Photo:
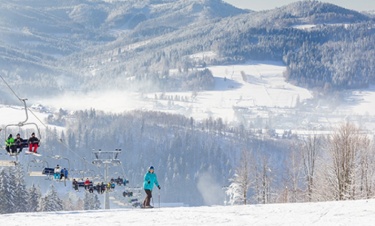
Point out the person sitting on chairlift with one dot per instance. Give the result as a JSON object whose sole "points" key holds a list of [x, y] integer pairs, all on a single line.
{"points": [[57, 173], [75, 184], [64, 174], [104, 187], [33, 143], [19, 143], [99, 188], [87, 184], [10, 144]]}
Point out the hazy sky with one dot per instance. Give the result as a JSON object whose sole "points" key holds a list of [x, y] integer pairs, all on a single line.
{"points": [[359, 5]]}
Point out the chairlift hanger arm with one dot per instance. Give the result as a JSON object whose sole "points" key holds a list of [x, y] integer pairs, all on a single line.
{"points": [[27, 115], [24, 123]]}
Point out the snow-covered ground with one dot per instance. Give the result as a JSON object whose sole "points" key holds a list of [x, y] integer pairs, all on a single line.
{"points": [[257, 86], [360, 101], [248, 85], [17, 114], [361, 212]]}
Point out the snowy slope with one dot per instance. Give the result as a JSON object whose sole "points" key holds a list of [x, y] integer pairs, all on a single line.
{"points": [[256, 86], [361, 212], [253, 84]]}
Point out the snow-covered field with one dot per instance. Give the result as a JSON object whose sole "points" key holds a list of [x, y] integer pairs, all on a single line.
{"points": [[248, 85], [16, 114], [255, 85], [361, 212]]}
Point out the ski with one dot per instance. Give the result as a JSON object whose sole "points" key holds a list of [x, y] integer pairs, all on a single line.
{"points": [[32, 153]]}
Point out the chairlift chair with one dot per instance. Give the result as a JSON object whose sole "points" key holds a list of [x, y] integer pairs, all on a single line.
{"points": [[59, 158], [36, 166], [21, 124]]}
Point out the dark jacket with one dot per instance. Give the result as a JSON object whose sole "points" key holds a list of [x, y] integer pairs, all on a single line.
{"points": [[19, 141], [33, 140]]}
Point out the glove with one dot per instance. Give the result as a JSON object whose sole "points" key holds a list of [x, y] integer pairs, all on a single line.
{"points": [[148, 182], [159, 187]]}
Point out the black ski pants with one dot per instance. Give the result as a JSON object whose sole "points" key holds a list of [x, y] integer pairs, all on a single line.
{"points": [[12, 148], [147, 200]]}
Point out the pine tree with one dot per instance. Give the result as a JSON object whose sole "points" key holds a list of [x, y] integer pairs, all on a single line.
{"points": [[51, 201], [91, 201], [80, 204], [4, 193], [11, 187], [20, 192], [71, 202], [34, 198]]}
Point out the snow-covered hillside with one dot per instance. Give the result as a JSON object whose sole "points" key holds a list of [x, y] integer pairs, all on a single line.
{"points": [[360, 212], [255, 84], [255, 89]]}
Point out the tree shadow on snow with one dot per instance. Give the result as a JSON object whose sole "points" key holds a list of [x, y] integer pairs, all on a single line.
{"points": [[222, 84]]}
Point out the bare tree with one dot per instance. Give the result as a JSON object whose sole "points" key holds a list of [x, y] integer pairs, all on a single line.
{"points": [[310, 151], [263, 179], [348, 148], [366, 173], [240, 183], [291, 191]]}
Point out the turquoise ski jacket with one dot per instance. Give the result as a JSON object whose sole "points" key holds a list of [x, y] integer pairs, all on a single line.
{"points": [[149, 180]]}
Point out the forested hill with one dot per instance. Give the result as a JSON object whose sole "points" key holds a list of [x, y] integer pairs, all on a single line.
{"points": [[195, 157], [323, 45], [87, 45], [315, 12]]}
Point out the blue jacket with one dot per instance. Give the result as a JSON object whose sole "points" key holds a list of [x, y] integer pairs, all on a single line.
{"points": [[149, 180]]}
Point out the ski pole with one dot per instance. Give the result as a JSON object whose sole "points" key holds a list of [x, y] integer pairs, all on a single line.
{"points": [[159, 197]]}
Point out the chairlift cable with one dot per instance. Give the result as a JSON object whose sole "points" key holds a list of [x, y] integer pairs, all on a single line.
{"points": [[60, 140], [41, 122], [20, 99], [15, 94], [71, 151]]}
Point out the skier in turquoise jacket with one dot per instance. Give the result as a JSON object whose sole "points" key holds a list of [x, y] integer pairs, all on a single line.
{"points": [[150, 179]]}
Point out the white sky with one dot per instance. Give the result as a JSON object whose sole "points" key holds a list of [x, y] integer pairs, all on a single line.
{"points": [[361, 212], [359, 5]]}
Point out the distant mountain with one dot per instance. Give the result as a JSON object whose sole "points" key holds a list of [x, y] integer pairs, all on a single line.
{"points": [[135, 44], [261, 36], [35, 37], [312, 12], [317, 10]]}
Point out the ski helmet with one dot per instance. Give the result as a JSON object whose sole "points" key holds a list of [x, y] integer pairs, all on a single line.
{"points": [[151, 168]]}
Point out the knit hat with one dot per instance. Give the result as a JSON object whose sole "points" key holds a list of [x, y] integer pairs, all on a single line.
{"points": [[151, 168]]}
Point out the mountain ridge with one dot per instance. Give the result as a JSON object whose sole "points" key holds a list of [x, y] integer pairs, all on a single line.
{"points": [[97, 38]]}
